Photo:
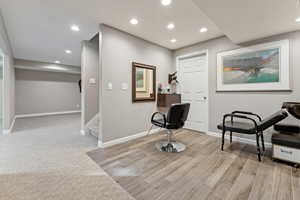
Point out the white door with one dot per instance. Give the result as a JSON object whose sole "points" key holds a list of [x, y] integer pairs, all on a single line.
{"points": [[193, 81]]}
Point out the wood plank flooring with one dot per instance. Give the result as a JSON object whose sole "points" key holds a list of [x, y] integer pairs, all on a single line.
{"points": [[201, 172]]}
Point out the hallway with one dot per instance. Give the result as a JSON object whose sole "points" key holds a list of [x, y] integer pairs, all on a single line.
{"points": [[46, 157]]}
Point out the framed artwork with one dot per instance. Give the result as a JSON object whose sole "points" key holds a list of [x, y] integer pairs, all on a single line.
{"points": [[263, 67], [141, 79]]}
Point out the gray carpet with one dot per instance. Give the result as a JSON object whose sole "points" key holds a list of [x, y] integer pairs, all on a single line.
{"points": [[45, 158], [59, 187]]}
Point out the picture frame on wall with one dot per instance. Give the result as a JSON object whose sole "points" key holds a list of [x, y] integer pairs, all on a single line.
{"points": [[141, 80], [263, 67]]}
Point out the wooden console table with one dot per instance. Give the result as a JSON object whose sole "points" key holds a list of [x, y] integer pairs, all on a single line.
{"points": [[166, 100]]}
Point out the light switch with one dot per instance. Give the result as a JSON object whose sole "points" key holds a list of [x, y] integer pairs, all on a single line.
{"points": [[124, 86], [109, 86]]}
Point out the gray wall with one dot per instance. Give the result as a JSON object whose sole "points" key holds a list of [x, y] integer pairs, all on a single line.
{"points": [[264, 103], [9, 79], [121, 117], [46, 92], [90, 70]]}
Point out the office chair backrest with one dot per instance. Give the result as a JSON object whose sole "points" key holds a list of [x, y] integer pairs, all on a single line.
{"points": [[178, 114]]}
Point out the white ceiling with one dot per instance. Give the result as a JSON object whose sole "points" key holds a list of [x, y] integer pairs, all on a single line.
{"points": [[40, 29], [246, 20]]}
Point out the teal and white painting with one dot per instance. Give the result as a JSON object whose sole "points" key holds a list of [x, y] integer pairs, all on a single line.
{"points": [[260, 67], [254, 67]]}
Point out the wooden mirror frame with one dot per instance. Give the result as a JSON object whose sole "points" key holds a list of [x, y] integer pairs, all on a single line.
{"points": [[139, 65]]}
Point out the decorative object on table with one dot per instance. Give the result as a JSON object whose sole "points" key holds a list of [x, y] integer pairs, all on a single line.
{"points": [[263, 67], [143, 82], [173, 77], [160, 88], [173, 82], [168, 89]]}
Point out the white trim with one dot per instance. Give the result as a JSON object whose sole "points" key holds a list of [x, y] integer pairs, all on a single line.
{"points": [[92, 121], [6, 95], [4, 131], [126, 139], [47, 114], [195, 54], [83, 79], [100, 96], [89, 125], [9, 131], [237, 139]]}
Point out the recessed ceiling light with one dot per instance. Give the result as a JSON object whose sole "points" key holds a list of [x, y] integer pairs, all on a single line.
{"points": [[57, 62], [173, 40], [203, 30], [166, 2], [68, 51], [297, 19], [134, 21], [75, 28], [171, 26]]}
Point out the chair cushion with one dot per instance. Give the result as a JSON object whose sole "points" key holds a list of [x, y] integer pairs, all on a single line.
{"points": [[288, 140], [238, 127]]}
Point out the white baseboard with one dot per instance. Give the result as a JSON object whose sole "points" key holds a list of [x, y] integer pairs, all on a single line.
{"points": [[48, 114], [94, 122], [237, 139], [9, 131], [125, 139]]}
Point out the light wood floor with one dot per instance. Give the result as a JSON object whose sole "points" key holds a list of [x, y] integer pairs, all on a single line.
{"points": [[201, 172]]}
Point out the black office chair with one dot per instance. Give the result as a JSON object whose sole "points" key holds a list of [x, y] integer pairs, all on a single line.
{"points": [[175, 119], [250, 126]]}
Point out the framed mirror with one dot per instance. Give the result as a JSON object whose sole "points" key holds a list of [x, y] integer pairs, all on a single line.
{"points": [[143, 82]]}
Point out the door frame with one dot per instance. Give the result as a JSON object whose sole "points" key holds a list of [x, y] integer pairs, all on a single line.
{"points": [[4, 89], [198, 54]]}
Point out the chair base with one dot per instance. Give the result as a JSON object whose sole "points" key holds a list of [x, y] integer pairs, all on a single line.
{"points": [[171, 147]]}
